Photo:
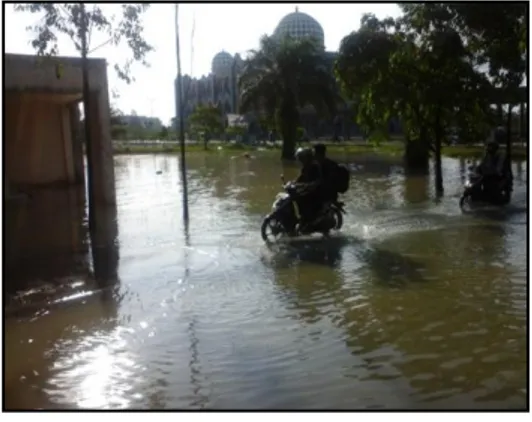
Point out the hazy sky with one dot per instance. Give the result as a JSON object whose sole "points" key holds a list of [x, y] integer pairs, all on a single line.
{"points": [[235, 28]]}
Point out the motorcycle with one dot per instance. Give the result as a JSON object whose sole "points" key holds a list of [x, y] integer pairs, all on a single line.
{"points": [[285, 218], [474, 193]]}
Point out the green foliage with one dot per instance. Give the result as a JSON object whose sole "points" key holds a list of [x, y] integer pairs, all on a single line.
{"points": [[235, 131], [174, 124], [427, 80], [116, 115], [121, 131], [424, 68], [163, 134], [206, 121], [283, 76], [494, 33], [66, 18]]}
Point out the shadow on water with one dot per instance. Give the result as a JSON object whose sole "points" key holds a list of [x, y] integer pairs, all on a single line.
{"points": [[391, 269], [316, 251], [388, 268]]}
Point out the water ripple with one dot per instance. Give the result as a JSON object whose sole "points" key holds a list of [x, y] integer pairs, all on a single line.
{"points": [[412, 305]]}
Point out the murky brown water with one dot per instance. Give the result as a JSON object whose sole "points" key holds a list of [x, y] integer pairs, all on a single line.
{"points": [[414, 305]]}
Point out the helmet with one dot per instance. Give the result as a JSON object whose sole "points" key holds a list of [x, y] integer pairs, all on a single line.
{"points": [[304, 154]]}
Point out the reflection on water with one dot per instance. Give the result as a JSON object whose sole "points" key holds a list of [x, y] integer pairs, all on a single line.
{"points": [[413, 305]]}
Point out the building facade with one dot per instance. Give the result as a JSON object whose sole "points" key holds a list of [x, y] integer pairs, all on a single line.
{"points": [[220, 87]]}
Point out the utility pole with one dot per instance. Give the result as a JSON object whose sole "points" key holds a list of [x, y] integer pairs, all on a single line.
{"points": [[87, 112], [179, 115]]}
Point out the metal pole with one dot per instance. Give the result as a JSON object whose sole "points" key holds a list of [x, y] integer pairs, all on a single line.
{"points": [[180, 116], [87, 113]]}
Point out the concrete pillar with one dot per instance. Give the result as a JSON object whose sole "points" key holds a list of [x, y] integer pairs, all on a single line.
{"points": [[77, 145], [7, 191], [102, 149], [105, 250]]}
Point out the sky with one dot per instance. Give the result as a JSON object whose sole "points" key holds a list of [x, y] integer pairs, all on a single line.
{"points": [[234, 27]]}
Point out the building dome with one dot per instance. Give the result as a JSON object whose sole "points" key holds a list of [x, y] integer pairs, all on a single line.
{"points": [[222, 64], [299, 25]]}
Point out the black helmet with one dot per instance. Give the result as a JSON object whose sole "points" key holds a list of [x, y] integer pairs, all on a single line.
{"points": [[304, 154]]}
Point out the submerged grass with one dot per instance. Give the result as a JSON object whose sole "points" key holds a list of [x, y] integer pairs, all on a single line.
{"points": [[393, 148]]}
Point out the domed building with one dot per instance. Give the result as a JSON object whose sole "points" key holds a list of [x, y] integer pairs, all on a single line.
{"points": [[220, 87], [222, 64], [299, 25]]}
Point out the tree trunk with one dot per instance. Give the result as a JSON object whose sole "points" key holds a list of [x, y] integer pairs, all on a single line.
{"points": [[289, 134], [438, 176], [500, 114], [287, 118], [416, 155], [509, 134]]}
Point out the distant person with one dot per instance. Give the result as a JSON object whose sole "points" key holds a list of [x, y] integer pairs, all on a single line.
{"points": [[310, 185], [335, 176], [492, 167], [328, 169]]}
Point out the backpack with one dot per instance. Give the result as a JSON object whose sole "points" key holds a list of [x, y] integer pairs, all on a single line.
{"points": [[342, 178]]}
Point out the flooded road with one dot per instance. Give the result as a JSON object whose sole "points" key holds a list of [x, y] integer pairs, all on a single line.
{"points": [[412, 305]]}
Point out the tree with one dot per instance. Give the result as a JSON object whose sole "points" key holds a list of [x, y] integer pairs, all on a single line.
{"points": [[388, 69], [206, 120], [495, 35], [116, 116], [174, 123], [163, 133], [281, 77], [66, 18], [75, 21], [236, 131], [118, 129]]}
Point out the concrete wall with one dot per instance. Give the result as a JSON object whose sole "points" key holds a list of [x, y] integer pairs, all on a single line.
{"points": [[23, 72], [38, 141], [42, 142]]}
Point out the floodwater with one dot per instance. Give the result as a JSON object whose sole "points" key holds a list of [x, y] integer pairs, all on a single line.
{"points": [[412, 306]]}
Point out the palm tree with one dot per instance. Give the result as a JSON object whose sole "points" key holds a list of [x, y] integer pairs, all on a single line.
{"points": [[283, 76]]}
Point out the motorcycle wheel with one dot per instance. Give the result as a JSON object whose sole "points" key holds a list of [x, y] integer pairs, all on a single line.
{"points": [[271, 230], [339, 218]]}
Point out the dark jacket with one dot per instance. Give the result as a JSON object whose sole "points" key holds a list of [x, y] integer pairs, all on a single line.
{"points": [[328, 170], [309, 174], [492, 164]]}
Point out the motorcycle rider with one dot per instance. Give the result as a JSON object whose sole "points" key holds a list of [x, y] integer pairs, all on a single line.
{"points": [[492, 168], [328, 170], [309, 184]]}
